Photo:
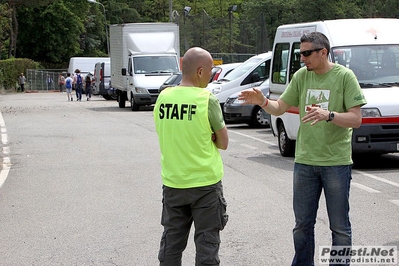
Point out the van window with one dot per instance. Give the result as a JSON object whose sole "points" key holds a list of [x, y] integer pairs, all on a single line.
{"points": [[372, 64], [280, 63], [295, 59], [260, 73], [244, 68]]}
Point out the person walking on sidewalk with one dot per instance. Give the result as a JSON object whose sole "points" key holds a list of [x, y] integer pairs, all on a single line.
{"points": [[49, 81], [61, 82], [78, 85], [68, 86], [88, 87], [21, 81]]}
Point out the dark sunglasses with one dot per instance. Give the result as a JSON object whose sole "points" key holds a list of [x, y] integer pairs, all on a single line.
{"points": [[309, 52]]}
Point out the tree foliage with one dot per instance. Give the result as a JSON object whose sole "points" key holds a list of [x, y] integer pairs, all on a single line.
{"points": [[52, 31]]}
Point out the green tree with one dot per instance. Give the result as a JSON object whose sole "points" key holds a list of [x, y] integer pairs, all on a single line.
{"points": [[5, 13], [57, 31]]}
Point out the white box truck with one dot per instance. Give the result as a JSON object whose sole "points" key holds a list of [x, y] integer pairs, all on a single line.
{"points": [[370, 47], [143, 56]]}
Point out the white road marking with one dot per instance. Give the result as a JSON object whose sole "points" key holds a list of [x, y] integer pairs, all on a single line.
{"points": [[395, 202], [249, 146], [258, 139], [378, 178], [360, 186], [4, 139], [363, 187], [6, 150]]}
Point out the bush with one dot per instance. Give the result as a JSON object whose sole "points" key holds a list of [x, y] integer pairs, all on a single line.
{"points": [[11, 68]]}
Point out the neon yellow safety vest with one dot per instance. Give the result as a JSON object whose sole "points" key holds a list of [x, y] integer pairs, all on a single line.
{"points": [[189, 158]]}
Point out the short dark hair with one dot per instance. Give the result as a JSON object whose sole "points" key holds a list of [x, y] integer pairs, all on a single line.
{"points": [[317, 39]]}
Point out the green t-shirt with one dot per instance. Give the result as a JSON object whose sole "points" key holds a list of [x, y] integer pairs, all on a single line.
{"points": [[324, 144]]}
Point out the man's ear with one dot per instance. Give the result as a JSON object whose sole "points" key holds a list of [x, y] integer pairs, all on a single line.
{"points": [[199, 71]]}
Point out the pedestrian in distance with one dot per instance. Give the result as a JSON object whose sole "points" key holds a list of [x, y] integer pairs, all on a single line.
{"points": [[78, 85], [61, 82], [49, 82], [329, 99], [21, 82], [88, 87], [191, 130], [68, 86]]}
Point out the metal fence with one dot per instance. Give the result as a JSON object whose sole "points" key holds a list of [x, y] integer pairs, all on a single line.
{"points": [[38, 79], [222, 35], [230, 58]]}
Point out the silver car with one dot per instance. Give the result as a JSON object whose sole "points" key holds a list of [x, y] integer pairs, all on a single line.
{"points": [[236, 112]]}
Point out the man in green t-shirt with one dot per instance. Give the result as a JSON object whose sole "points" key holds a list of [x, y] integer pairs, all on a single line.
{"points": [[329, 99], [191, 129]]}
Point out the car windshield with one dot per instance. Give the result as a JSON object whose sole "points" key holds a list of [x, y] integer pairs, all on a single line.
{"points": [[373, 65], [174, 79], [243, 68], [155, 64]]}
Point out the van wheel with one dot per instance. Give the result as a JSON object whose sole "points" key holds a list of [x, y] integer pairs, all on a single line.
{"points": [[286, 145], [133, 105], [122, 99], [257, 118]]}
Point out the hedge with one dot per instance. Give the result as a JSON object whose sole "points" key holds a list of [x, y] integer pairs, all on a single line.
{"points": [[11, 68]]}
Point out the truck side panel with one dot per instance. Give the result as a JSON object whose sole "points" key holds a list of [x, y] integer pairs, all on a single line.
{"points": [[118, 53]]}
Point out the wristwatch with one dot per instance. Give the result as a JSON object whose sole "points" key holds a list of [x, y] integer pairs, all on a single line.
{"points": [[330, 116]]}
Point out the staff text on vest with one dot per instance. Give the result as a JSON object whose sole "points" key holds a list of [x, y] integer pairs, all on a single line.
{"points": [[176, 111]]}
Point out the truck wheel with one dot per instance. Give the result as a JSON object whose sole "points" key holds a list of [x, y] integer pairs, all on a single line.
{"points": [[286, 145], [257, 118], [133, 105], [122, 99]]}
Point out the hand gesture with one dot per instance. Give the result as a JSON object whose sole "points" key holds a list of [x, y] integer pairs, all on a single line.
{"points": [[252, 96]]}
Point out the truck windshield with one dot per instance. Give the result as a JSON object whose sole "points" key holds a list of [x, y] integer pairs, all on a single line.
{"points": [[373, 65], [155, 64]]}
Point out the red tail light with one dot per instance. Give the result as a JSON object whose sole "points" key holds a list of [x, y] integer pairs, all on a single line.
{"points": [[216, 77]]}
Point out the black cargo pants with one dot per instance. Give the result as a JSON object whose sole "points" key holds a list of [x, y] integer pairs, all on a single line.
{"points": [[206, 207]]}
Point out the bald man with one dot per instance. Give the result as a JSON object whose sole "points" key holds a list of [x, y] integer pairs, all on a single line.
{"points": [[191, 130]]}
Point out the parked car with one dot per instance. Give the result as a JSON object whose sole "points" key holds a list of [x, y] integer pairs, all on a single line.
{"points": [[172, 81], [247, 75], [220, 71], [236, 112]]}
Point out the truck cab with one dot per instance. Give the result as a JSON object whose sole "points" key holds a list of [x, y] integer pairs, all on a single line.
{"points": [[143, 56]]}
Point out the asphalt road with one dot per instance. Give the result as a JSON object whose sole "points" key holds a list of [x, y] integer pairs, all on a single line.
{"points": [[80, 185]]}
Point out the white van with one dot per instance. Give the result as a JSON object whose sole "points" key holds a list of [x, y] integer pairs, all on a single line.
{"points": [[370, 47], [84, 64], [102, 80], [250, 73]]}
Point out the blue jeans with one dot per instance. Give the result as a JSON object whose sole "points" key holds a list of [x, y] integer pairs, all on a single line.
{"points": [[309, 181], [79, 89]]}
